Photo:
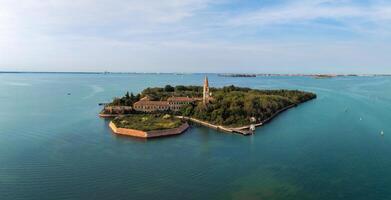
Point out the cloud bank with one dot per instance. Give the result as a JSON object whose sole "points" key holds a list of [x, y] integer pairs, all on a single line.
{"points": [[333, 36]]}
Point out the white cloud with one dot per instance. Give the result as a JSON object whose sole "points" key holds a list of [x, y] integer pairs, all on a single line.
{"points": [[61, 15], [183, 35], [305, 12]]}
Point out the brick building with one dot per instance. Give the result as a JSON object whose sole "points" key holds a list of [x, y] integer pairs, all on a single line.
{"points": [[172, 103]]}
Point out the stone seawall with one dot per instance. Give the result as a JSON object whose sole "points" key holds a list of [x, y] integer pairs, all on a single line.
{"points": [[107, 115], [148, 134], [217, 127]]}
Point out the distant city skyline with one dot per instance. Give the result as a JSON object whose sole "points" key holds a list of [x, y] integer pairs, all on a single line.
{"points": [[187, 36]]}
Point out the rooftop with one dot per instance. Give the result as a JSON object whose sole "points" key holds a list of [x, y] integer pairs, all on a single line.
{"points": [[147, 102], [181, 99]]}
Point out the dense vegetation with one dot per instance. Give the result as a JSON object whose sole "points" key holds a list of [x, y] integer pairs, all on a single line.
{"points": [[230, 106], [168, 91], [120, 106], [234, 106], [127, 100], [147, 122]]}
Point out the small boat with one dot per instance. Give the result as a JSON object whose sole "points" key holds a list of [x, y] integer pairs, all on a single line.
{"points": [[252, 127], [382, 133], [69, 93], [360, 119]]}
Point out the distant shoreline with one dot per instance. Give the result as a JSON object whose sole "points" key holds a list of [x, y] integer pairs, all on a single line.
{"points": [[199, 73]]}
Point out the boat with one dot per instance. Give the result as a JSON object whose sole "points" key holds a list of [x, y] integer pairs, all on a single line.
{"points": [[252, 127]]}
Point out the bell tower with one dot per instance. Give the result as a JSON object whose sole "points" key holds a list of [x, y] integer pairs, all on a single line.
{"points": [[205, 97]]}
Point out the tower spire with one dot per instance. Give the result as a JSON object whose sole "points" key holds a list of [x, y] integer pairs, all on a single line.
{"points": [[205, 97]]}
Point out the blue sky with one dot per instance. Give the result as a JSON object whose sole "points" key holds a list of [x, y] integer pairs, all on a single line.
{"points": [[264, 36]]}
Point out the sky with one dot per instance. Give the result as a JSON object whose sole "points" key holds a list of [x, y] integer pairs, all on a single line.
{"points": [[222, 36]]}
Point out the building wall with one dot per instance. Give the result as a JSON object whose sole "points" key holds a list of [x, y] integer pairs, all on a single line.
{"points": [[128, 132], [151, 108], [172, 105], [148, 134]]}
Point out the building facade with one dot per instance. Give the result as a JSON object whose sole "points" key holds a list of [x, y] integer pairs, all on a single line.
{"points": [[151, 106], [176, 103], [172, 103]]}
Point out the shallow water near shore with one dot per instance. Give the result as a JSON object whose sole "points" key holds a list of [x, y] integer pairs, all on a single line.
{"points": [[53, 145]]}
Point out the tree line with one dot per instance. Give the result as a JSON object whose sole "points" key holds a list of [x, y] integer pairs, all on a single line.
{"points": [[230, 105], [234, 106]]}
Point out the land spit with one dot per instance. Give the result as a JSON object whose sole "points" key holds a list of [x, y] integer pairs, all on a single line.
{"points": [[244, 130]]}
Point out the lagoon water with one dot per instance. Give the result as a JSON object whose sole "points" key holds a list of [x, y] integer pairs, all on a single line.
{"points": [[53, 145]]}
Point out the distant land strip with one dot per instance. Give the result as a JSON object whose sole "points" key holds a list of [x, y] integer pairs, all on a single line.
{"points": [[201, 73]]}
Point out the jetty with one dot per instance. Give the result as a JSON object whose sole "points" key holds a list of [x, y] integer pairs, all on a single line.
{"points": [[240, 130], [243, 131]]}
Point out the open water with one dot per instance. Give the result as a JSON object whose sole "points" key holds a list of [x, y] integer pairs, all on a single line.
{"points": [[53, 145]]}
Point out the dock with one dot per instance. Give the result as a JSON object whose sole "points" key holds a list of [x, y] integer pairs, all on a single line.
{"points": [[243, 131], [240, 130]]}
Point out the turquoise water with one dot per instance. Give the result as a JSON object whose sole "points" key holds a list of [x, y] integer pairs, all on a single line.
{"points": [[53, 146]]}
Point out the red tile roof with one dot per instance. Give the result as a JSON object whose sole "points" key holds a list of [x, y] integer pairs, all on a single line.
{"points": [[151, 103], [180, 99]]}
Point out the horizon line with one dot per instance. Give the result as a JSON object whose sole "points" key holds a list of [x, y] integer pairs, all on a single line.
{"points": [[227, 73]]}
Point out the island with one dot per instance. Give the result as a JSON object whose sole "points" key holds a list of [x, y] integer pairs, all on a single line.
{"points": [[323, 76], [168, 109], [238, 75]]}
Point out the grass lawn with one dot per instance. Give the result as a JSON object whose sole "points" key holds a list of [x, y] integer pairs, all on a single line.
{"points": [[147, 122]]}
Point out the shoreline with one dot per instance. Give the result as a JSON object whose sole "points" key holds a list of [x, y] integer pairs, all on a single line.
{"points": [[207, 124], [197, 73], [105, 116], [148, 134], [241, 130]]}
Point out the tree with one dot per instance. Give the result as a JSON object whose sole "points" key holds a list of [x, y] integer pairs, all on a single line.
{"points": [[187, 110], [180, 88], [116, 102], [169, 88]]}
